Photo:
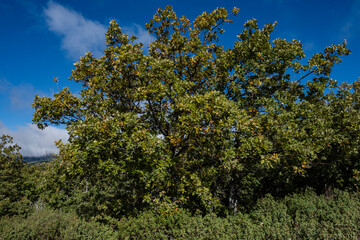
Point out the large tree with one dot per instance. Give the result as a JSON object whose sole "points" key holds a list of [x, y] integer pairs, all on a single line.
{"points": [[190, 123]]}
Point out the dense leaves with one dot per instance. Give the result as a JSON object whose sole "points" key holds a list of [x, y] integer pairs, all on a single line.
{"points": [[192, 124], [13, 190], [300, 216]]}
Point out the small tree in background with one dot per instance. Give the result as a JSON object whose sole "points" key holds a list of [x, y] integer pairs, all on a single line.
{"points": [[12, 184], [195, 125]]}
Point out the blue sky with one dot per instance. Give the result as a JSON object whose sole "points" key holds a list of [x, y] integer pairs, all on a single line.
{"points": [[41, 39]]}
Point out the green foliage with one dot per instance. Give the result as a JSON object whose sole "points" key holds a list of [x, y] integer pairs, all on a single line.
{"points": [[13, 190], [53, 190], [297, 216], [194, 125], [331, 216], [50, 224]]}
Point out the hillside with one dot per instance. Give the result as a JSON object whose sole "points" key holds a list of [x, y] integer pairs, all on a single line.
{"points": [[39, 159]]}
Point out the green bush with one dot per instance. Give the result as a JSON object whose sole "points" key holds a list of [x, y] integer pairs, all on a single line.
{"points": [[270, 220], [180, 225], [13, 185], [51, 224], [325, 217], [298, 216]]}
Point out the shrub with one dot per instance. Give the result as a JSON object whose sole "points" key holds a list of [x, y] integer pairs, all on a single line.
{"points": [[53, 224], [299, 216]]}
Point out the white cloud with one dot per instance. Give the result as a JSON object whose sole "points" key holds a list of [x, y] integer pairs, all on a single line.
{"points": [[19, 97], [141, 33], [4, 85], [81, 35], [33, 141], [350, 26]]}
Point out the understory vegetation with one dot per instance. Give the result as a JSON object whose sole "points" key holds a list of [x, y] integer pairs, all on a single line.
{"points": [[298, 216], [192, 140]]}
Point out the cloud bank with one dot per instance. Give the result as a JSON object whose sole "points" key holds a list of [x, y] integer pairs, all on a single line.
{"points": [[80, 35], [33, 141]]}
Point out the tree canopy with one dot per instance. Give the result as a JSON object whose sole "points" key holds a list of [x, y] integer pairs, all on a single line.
{"points": [[193, 124], [12, 184]]}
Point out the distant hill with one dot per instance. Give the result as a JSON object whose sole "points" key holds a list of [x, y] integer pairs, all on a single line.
{"points": [[40, 159]]}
